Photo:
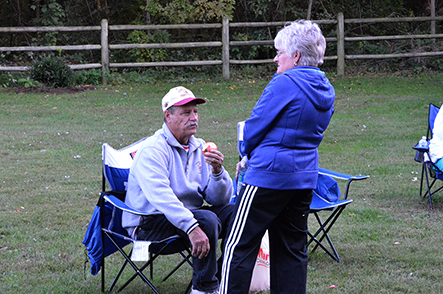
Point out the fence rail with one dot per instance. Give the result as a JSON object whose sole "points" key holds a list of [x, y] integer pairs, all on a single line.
{"points": [[225, 44]]}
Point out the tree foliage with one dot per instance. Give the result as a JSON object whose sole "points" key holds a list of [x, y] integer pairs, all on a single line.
{"points": [[15, 13], [186, 11]]}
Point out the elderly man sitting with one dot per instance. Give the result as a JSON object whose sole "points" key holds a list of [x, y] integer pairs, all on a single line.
{"points": [[172, 179]]}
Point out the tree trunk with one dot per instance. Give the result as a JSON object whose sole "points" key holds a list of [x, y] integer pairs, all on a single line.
{"points": [[148, 15], [308, 16], [433, 15], [19, 14]]}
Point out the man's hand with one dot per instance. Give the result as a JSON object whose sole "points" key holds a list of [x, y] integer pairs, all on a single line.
{"points": [[215, 159], [199, 242]]}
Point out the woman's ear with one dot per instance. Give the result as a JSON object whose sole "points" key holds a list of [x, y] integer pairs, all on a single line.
{"points": [[297, 56]]}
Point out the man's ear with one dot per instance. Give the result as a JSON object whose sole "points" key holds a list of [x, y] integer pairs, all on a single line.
{"points": [[167, 116]]}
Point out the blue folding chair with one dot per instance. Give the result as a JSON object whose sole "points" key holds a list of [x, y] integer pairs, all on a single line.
{"points": [[325, 198], [105, 234], [428, 169]]}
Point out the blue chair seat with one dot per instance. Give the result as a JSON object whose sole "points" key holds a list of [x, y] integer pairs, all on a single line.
{"points": [[319, 203]]}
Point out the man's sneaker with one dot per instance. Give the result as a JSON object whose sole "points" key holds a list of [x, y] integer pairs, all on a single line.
{"points": [[194, 291]]}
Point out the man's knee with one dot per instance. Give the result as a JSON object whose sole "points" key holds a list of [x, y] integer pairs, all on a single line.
{"points": [[209, 222]]}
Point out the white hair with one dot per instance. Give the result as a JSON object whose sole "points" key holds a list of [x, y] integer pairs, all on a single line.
{"points": [[303, 36]]}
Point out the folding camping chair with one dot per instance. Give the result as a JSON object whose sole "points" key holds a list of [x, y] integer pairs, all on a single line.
{"points": [[326, 197], [428, 169], [105, 235]]}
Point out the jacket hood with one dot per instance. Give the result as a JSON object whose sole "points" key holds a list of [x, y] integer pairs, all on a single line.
{"points": [[314, 84]]}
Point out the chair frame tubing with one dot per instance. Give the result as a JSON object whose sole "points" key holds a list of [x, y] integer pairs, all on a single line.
{"points": [[425, 171], [108, 234], [127, 257], [150, 263], [138, 271], [324, 227], [428, 192]]}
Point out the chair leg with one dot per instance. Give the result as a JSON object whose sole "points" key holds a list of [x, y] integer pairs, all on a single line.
{"points": [[437, 190], [153, 257], [423, 171], [185, 259], [326, 235], [319, 244], [133, 265], [117, 277], [151, 266], [149, 263], [103, 274], [324, 231], [428, 192], [188, 289]]}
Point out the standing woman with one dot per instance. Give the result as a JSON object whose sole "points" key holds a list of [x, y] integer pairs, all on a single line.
{"points": [[280, 140]]}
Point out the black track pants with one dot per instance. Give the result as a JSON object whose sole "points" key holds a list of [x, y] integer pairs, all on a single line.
{"points": [[284, 213]]}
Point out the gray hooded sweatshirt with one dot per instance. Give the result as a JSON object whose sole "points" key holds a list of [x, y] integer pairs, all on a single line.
{"points": [[167, 179]]}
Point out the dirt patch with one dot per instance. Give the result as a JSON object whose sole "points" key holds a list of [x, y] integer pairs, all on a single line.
{"points": [[69, 90]]}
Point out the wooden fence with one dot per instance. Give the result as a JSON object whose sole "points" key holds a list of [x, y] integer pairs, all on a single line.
{"points": [[225, 43]]}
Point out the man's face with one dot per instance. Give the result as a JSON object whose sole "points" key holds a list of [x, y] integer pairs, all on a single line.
{"points": [[183, 122]]}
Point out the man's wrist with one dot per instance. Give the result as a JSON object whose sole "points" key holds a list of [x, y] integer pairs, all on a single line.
{"points": [[217, 172], [192, 228]]}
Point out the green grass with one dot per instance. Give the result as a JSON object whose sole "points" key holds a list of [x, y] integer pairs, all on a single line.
{"points": [[51, 174]]}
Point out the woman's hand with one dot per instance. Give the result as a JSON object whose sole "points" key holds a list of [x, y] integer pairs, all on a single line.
{"points": [[237, 169]]}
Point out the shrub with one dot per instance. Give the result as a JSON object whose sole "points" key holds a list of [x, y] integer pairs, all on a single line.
{"points": [[28, 82], [148, 55], [52, 72], [88, 77], [5, 80], [11, 79]]}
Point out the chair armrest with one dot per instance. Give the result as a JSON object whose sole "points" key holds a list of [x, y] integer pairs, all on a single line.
{"points": [[420, 148], [122, 206], [340, 176]]}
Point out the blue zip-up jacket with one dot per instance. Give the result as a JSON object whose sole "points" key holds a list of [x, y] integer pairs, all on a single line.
{"points": [[286, 127]]}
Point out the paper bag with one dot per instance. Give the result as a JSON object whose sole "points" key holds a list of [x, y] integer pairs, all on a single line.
{"points": [[140, 251], [260, 276]]}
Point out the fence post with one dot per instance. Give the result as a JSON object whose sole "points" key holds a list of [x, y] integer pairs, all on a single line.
{"points": [[340, 44], [105, 49], [225, 48], [433, 15]]}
